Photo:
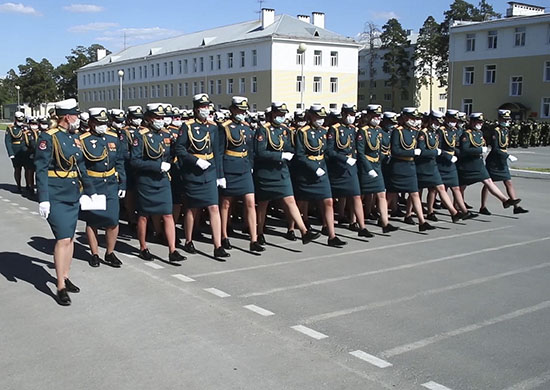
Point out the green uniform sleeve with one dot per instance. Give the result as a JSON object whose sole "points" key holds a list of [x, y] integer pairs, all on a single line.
{"points": [[361, 146], [262, 153]]}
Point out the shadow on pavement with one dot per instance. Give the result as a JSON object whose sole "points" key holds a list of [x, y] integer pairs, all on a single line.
{"points": [[18, 267]]}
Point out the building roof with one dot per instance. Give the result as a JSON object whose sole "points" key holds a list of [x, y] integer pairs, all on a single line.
{"points": [[502, 22], [284, 26]]}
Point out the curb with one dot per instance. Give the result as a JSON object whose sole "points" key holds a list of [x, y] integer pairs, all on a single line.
{"points": [[530, 174]]}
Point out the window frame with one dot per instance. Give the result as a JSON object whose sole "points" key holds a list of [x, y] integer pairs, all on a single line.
{"points": [[518, 83], [485, 78]]}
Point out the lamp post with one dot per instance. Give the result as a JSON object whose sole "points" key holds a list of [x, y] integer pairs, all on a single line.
{"points": [[18, 88], [302, 47], [120, 77]]}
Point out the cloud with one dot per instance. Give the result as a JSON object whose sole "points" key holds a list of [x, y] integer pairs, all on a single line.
{"points": [[83, 8], [18, 8], [97, 26], [137, 35], [383, 15]]}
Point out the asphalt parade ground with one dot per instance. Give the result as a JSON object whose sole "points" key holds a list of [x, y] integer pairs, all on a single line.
{"points": [[464, 307]]}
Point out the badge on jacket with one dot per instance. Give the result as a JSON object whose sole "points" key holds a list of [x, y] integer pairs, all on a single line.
{"points": [[43, 145]]}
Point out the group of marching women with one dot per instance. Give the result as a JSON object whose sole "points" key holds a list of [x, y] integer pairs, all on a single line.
{"points": [[162, 163]]}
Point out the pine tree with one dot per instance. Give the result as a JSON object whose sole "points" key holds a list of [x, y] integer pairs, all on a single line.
{"points": [[426, 54]]}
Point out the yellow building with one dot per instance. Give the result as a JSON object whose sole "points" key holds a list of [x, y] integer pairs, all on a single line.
{"points": [[264, 60], [502, 63]]}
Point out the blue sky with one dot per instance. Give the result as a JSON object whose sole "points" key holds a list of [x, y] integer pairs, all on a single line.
{"points": [[51, 28]]}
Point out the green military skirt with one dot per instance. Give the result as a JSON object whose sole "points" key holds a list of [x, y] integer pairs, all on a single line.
{"points": [[427, 174], [402, 176], [448, 172], [344, 182], [200, 195], [472, 170], [372, 185], [63, 218], [497, 168], [313, 188], [238, 184], [272, 189], [154, 199]]}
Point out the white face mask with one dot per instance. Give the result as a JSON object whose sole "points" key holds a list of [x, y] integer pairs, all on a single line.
{"points": [[278, 120], [177, 122], [19, 123], [240, 117], [434, 126], [117, 125], [350, 119], [204, 113], [101, 129], [504, 123], [375, 122], [411, 122], [478, 126], [452, 125], [44, 127], [301, 123], [136, 121], [167, 121], [157, 124], [73, 126], [34, 127], [318, 122]]}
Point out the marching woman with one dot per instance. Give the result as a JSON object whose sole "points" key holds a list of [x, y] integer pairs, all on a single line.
{"points": [[151, 154], [369, 152], [236, 142], [271, 175], [30, 137], [60, 171], [104, 157], [471, 168], [200, 165], [402, 167], [16, 147], [497, 161], [312, 182]]}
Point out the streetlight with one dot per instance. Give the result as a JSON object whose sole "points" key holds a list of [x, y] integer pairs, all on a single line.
{"points": [[18, 88], [120, 76], [302, 47]]}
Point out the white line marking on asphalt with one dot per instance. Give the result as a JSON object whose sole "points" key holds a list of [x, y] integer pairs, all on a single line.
{"points": [[309, 332], [259, 310], [35, 213], [6, 200], [434, 386], [131, 256], [469, 328], [216, 292], [23, 208], [528, 171], [531, 383], [390, 269], [183, 278], [371, 359], [14, 204], [154, 265], [339, 254], [377, 305]]}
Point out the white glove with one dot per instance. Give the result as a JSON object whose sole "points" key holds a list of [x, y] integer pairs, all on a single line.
{"points": [[44, 209], [351, 161], [439, 152], [287, 156], [222, 183], [372, 173], [165, 166], [202, 164], [417, 152], [320, 172], [484, 149], [252, 171], [512, 158], [121, 194], [12, 157], [454, 159]]}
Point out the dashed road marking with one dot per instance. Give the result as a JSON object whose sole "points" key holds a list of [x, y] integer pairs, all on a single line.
{"points": [[154, 265], [35, 213], [259, 310], [6, 200], [216, 292], [14, 204], [309, 332], [371, 359], [531, 383], [23, 208], [434, 386], [183, 278]]}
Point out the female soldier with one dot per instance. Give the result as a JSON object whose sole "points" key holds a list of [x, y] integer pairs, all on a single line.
{"points": [[16, 147], [104, 158], [200, 164], [312, 181], [271, 175], [30, 137], [60, 171]]}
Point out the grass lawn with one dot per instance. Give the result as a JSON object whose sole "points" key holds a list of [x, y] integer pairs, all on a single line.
{"points": [[547, 170]]}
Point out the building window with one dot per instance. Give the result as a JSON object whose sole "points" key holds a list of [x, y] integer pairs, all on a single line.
{"points": [[361, 97], [317, 84], [299, 83], [300, 59], [333, 58], [229, 86], [519, 36], [254, 57], [254, 85], [230, 60], [334, 84], [171, 67], [516, 86], [470, 42], [194, 65], [195, 88], [219, 87], [166, 68], [317, 58], [443, 96], [140, 92], [211, 62], [467, 106], [145, 72], [166, 91], [243, 59], [211, 87], [387, 83], [140, 73], [186, 89], [254, 107], [405, 95], [545, 109], [145, 92], [492, 37], [180, 89], [299, 106], [158, 70], [201, 67], [387, 97], [546, 77], [219, 60], [180, 67], [152, 91], [202, 86], [152, 70], [185, 66], [94, 78], [242, 86], [468, 75], [171, 89], [490, 74]]}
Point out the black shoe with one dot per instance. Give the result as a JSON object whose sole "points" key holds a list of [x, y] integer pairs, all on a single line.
{"points": [[372, 216], [432, 217], [146, 255], [484, 211], [397, 214], [336, 242], [510, 202], [289, 235], [425, 226], [261, 239], [63, 297], [437, 205], [220, 252], [365, 233], [409, 220], [94, 261], [256, 247], [354, 227], [190, 248], [457, 217], [520, 210], [71, 287], [112, 260], [389, 228], [226, 244], [468, 206], [324, 231], [175, 256], [310, 236], [245, 230], [469, 215]]}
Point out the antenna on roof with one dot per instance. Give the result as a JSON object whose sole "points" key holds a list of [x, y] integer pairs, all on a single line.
{"points": [[261, 2], [124, 40]]}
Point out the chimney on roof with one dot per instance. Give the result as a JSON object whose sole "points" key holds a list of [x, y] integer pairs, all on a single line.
{"points": [[304, 18], [101, 54], [268, 17], [522, 9], [318, 19]]}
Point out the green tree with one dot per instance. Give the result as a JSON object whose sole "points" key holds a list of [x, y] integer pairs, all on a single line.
{"points": [[8, 93], [485, 11], [397, 64], [37, 81], [426, 54]]}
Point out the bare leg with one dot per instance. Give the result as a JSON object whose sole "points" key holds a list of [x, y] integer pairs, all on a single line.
{"points": [[484, 196], [295, 213], [157, 226], [459, 200], [493, 189], [261, 212], [410, 206], [17, 176], [111, 234], [224, 214], [369, 201], [328, 216], [358, 211], [414, 199], [190, 216], [445, 199], [430, 200], [91, 234], [215, 224], [62, 257], [142, 232], [170, 232], [510, 189], [303, 207], [382, 207], [250, 215]]}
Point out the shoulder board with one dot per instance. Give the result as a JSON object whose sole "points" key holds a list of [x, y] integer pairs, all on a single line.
{"points": [[189, 122], [399, 127], [85, 135], [227, 122], [468, 130], [112, 133], [166, 131], [305, 128], [125, 127], [172, 127], [11, 127], [336, 125], [212, 123], [52, 131], [144, 131]]}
